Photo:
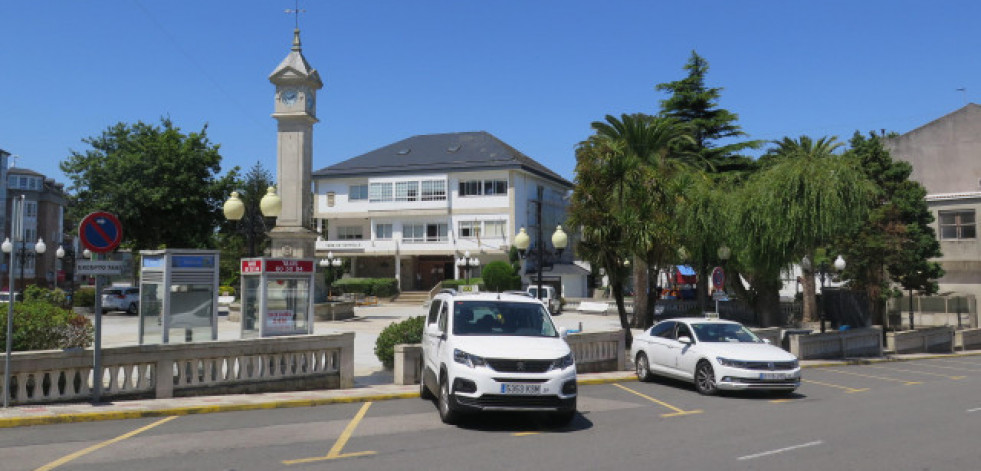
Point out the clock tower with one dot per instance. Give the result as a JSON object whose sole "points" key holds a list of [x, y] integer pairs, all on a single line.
{"points": [[295, 111]]}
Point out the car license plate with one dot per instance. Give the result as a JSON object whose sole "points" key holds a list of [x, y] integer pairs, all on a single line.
{"points": [[775, 376], [521, 388]]}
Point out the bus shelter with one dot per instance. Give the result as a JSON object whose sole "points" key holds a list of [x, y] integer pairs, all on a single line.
{"points": [[277, 296], [178, 296]]}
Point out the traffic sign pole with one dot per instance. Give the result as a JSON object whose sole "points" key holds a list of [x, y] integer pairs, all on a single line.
{"points": [[97, 346]]}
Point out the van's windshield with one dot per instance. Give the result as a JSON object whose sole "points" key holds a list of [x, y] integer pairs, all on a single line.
{"points": [[502, 318]]}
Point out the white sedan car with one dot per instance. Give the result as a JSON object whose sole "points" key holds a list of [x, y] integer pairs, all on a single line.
{"points": [[714, 354]]}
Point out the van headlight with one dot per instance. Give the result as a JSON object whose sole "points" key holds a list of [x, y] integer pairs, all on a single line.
{"points": [[468, 359], [563, 363]]}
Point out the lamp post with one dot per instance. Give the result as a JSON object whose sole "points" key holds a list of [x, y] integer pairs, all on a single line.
{"points": [[17, 254], [330, 264], [724, 253], [559, 240], [467, 264], [252, 223], [823, 271], [67, 257]]}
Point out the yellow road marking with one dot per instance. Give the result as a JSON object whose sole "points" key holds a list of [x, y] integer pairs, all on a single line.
{"points": [[958, 361], [677, 411], [916, 372], [781, 401], [77, 454], [524, 434], [908, 383], [335, 451], [847, 389], [958, 368]]}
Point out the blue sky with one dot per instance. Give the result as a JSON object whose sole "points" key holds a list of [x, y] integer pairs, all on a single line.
{"points": [[535, 73]]}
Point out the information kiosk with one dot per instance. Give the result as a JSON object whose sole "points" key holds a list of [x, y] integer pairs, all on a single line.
{"points": [[277, 296], [178, 296]]}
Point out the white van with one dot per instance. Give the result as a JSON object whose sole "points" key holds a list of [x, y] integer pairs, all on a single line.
{"points": [[549, 298]]}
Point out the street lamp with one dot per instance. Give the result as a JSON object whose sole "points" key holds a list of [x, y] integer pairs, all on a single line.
{"points": [[23, 254], [252, 223], [16, 254], [559, 240], [723, 253], [67, 257], [467, 264], [823, 271], [330, 264]]}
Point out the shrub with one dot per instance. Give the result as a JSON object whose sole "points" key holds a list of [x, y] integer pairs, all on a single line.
{"points": [[408, 331], [84, 297], [382, 287], [39, 325], [500, 276], [226, 289], [456, 284]]}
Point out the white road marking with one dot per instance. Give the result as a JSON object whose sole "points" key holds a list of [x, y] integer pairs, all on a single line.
{"points": [[773, 452], [974, 410]]}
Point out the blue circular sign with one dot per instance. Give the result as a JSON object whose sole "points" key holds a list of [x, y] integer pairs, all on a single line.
{"points": [[100, 232]]}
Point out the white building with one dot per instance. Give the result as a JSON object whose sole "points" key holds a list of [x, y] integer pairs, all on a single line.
{"points": [[407, 210]]}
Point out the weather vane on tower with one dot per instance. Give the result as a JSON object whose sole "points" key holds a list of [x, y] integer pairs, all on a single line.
{"points": [[296, 11]]}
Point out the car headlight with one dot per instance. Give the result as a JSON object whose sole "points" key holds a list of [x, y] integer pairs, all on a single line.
{"points": [[563, 363], [468, 359], [732, 363]]}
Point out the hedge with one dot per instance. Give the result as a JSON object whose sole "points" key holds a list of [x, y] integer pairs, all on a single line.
{"points": [[408, 331], [456, 284], [381, 287]]}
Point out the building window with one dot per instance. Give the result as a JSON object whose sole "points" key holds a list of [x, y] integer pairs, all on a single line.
{"points": [[469, 229], [349, 232], [957, 225], [434, 190], [23, 183], [330, 199], [493, 229], [358, 192], [470, 188], [407, 191], [383, 231], [30, 209], [425, 233], [495, 187], [380, 192]]}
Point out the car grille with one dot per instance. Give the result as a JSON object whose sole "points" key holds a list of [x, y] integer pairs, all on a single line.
{"points": [[519, 366], [769, 366], [497, 400]]}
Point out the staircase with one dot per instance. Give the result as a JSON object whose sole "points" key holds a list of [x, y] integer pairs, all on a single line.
{"points": [[414, 298]]}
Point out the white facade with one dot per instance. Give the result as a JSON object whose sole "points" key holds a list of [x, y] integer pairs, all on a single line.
{"points": [[424, 222]]}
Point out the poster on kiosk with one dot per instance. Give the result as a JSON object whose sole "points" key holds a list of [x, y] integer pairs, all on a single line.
{"points": [[277, 296]]}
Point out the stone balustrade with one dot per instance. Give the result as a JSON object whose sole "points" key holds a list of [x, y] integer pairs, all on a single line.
{"points": [[207, 368], [967, 339], [864, 342], [930, 340]]}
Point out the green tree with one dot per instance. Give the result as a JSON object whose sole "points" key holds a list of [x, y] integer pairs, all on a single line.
{"points": [[896, 240], [691, 102], [803, 200], [500, 276], [597, 198], [162, 184], [717, 141]]}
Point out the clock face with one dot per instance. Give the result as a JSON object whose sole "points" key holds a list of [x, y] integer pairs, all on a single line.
{"points": [[289, 96]]}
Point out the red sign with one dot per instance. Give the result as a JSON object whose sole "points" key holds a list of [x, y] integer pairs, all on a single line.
{"points": [[718, 279], [251, 266], [277, 265], [281, 265]]}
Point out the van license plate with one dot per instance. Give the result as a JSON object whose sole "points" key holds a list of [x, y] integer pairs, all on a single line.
{"points": [[520, 388]]}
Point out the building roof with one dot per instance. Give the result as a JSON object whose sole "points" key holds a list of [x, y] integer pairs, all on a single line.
{"points": [[460, 151], [23, 171]]}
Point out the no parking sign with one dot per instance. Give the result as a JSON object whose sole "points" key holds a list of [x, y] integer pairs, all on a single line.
{"points": [[100, 232]]}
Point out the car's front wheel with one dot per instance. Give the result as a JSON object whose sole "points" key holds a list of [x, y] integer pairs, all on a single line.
{"points": [[643, 367], [447, 412], [705, 379]]}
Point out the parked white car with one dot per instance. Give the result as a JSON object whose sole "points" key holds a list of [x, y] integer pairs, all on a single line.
{"points": [[496, 352], [119, 298], [715, 355], [549, 298]]}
